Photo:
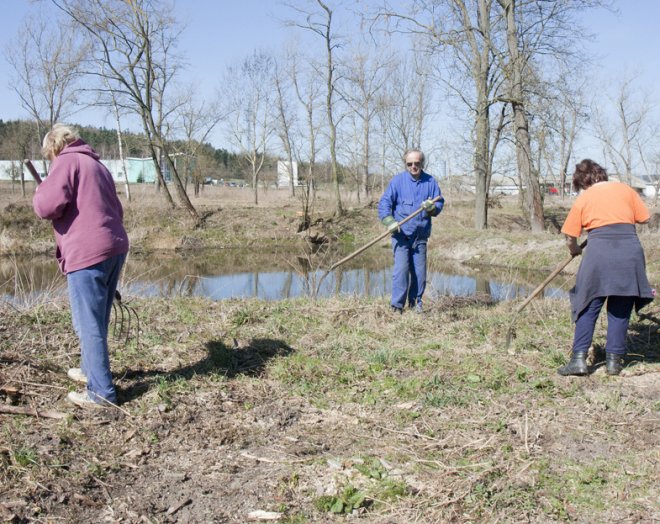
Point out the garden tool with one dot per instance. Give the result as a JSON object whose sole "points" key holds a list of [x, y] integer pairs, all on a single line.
{"points": [[372, 242], [123, 314], [534, 294]]}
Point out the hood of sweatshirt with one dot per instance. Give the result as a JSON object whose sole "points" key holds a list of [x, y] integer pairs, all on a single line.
{"points": [[79, 146]]}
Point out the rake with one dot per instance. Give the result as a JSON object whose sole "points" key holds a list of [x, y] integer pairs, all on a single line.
{"points": [[124, 316], [534, 294]]}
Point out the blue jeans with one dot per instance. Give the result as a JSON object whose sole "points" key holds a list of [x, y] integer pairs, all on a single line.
{"points": [[91, 292], [618, 317], [409, 272]]}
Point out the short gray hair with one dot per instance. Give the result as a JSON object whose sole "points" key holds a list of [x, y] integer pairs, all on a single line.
{"points": [[414, 150], [60, 136]]}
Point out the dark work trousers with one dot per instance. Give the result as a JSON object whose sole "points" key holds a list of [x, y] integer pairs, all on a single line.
{"points": [[409, 272], [618, 316]]}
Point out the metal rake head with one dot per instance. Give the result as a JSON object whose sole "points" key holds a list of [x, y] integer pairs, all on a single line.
{"points": [[126, 318]]}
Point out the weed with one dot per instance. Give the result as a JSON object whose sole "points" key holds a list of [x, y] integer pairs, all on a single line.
{"points": [[555, 358], [349, 499], [522, 374], [439, 393], [390, 490], [545, 385], [26, 457], [185, 311], [242, 317], [372, 468]]}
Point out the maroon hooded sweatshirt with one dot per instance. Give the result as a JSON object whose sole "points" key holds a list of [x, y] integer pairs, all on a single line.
{"points": [[80, 198]]}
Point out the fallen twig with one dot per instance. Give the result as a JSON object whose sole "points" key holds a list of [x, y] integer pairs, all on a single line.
{"points": [[180, 505], [20, 410], [271, 461]]}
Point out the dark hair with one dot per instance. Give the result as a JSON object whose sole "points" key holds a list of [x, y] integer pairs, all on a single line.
{"points": [[587, 173]]}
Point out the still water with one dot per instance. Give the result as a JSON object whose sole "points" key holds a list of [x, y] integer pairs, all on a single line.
{"points": [[226, 274]]}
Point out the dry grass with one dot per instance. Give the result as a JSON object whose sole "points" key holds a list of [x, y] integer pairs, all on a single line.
{"points": [[293, 406]]}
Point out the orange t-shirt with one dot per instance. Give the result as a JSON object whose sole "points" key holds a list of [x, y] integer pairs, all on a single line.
{"points": [[603, 204]]}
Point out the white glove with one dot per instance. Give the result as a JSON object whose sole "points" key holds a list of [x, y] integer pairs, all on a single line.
{"points": [[391, 224], [428, 206]]}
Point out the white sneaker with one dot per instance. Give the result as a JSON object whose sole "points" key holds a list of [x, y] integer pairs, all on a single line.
{"points": [[83, 400], [77, 375]]}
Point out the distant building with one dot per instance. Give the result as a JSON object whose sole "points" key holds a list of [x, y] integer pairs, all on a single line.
{"points": [[284, 173], [645, 185], [138, 170]]}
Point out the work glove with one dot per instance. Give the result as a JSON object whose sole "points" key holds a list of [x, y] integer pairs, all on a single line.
{"points": [[428, 206], [391, 224]]}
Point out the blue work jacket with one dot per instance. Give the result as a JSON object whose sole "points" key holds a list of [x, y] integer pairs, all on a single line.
{"points": [[404, 195]]}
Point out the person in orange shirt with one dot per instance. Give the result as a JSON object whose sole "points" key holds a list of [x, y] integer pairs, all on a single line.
{"points": [[613, 267]]}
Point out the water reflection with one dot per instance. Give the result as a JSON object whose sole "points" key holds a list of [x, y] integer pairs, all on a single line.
{"points": [[273, 276], [361, 282]]}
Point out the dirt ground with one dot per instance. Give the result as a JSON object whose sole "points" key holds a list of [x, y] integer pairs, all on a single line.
{"points": [[330, 410]]}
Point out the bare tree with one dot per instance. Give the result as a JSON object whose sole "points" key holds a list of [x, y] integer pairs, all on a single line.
{"points": [[308, 90], [465, 32], [120, 144], [516, 68], [46, 58], [285, 117], [134, 46], [624, 135], [562, 112], [406, 96], [249, 95], [365, 79], [21, 142], [319, 22], [197, 120]]}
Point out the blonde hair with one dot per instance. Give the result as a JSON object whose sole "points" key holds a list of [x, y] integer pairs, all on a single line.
{"points": [[60, 136]]}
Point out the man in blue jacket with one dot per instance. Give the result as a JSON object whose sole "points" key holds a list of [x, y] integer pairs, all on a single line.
{"points": [[406, 193]]}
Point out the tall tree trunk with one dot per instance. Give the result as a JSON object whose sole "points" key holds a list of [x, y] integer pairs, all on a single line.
{"points": [[330, 86], [155, 157], [181, 192], [532, 194], [481, 159], [121, 152], [365, 154]]}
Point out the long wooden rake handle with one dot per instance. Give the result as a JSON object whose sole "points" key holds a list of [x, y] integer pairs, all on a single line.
{"points": [[549, 279], [32, 171], [533, 294], [377, 239]]}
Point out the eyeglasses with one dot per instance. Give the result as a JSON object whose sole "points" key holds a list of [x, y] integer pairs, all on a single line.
{"points": [[416, 164]]}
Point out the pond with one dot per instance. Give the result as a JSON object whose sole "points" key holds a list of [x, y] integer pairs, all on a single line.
{"points": [[271, 275]]}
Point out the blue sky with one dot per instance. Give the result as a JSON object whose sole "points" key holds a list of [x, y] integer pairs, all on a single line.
{"points": [[220, 32]]}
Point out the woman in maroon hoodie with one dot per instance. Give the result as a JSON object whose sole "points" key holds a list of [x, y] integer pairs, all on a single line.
{"points": [[80, 199]]}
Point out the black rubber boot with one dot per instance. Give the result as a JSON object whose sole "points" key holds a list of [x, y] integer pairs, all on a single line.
{"points": [[613, 363], [576, 366]]}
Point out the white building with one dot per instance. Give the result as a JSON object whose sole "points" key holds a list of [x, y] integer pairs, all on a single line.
{"points": [[284, 173]]}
